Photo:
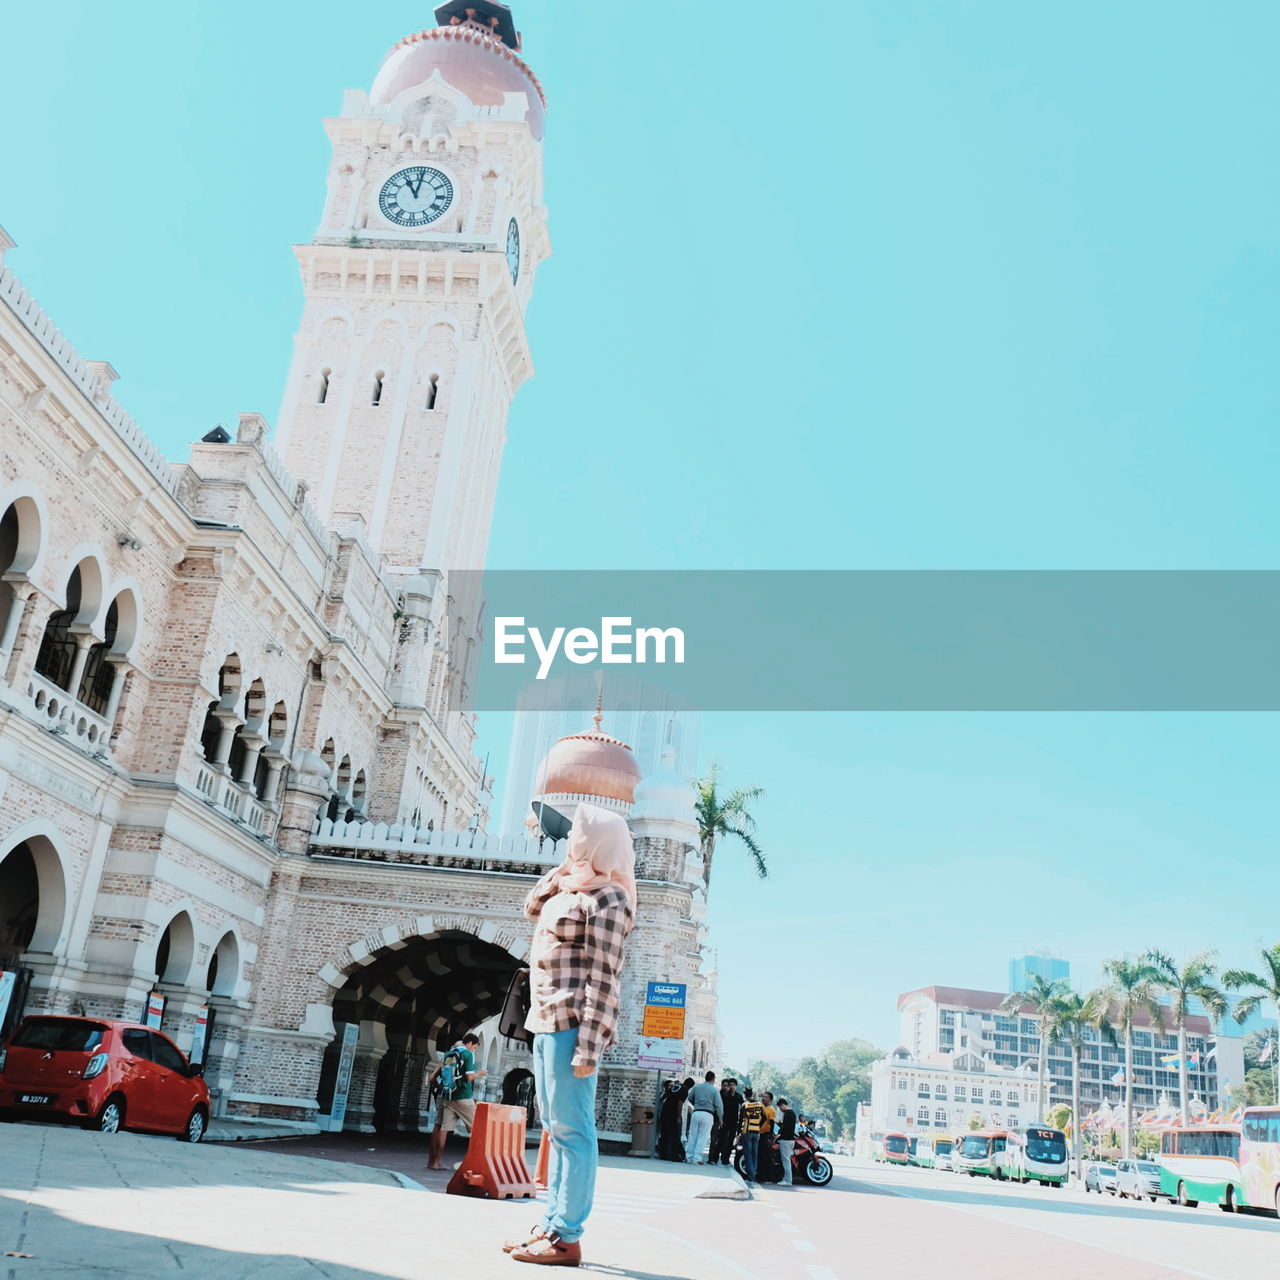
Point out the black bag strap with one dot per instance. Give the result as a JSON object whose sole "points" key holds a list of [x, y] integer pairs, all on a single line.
{"points": [[515, 1008]]}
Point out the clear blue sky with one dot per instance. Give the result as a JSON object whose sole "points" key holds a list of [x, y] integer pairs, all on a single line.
{"points": [[887, 285]]}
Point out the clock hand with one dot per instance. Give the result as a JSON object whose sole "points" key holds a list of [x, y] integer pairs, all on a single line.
{"points": [[412, 188]]}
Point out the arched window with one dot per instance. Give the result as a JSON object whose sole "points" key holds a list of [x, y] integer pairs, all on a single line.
{"points": [[57, 656], [940, 1091], [99, 674], [19, 544], [995, 1096], [323, 394], [433, 389], [922, 1114], [359, 792], [376, 399], [175, 950]]}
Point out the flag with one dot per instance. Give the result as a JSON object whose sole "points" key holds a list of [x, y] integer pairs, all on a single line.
{"points": [[1118, 1078], [1193, 1060], [1171, 1060], [1265, 1055]]}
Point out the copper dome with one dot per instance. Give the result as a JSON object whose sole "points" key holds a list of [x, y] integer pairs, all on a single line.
{"points": [[589, 764], [467, 58]]}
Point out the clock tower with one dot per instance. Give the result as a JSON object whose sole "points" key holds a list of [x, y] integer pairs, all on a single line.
{"points": [[412, 340]]}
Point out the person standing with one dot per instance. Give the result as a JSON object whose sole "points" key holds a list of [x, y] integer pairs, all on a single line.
{"points": [[457, 1074], [669, 1122], [707, 1109], [786, 1138], [752, 1119], [731, 1115], [767, 1157], [584, 910]]}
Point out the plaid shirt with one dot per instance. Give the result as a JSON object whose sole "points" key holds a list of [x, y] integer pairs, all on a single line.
{"points": [[575, 963]]}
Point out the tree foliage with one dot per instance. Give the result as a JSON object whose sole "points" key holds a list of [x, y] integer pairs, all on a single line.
{"points": [[723, 811], [830, 1085]]}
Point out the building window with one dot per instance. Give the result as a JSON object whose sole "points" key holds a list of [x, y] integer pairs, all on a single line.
{"points": [[940, 1092], [977, 1093], [922, 1090], [1013, 1097], [376, 399], [940, 1116], [902, 1082], [922, 1114], [902, 1111], [947, 1018], [323, 393], [996, 1096], [961, 1092]]}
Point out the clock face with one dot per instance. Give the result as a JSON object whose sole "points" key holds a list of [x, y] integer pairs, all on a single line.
{"points": [[415, 196], [513, 250]]}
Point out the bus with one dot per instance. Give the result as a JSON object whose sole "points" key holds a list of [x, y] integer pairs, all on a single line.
{"points": [[1044, 1156], [942, 1152], [1202, 1162], [920, 1152], [894, 1149], [983, 1152], [1260, 1158]]}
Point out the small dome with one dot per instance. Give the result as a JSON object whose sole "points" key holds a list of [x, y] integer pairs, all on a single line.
{"points": [[665, 794], [590, 764], [467, 58]]}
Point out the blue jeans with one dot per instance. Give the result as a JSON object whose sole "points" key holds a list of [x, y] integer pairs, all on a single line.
{"points": [[750, 1150], [568, 1105]]}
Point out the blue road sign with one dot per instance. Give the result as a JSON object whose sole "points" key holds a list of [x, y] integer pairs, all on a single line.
{"points": [[666, 995]]}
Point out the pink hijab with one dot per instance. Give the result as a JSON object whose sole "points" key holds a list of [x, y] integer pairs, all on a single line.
{"points": [[599, 853]]}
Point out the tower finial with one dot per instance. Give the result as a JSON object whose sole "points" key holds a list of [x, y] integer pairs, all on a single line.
{"points": [[599, 715]]}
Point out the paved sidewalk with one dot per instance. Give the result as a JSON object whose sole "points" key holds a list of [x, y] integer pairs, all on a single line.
{"points": [[94, 1205]]}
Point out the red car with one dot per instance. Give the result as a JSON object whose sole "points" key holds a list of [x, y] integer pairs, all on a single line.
{"points": [[108, 1075]]}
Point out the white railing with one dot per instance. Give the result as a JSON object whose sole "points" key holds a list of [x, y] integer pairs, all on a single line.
{"points": [[401, 842], [63, 715], [220, 792], [34, 318]]}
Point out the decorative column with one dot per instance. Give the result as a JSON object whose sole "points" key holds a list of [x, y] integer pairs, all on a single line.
{"points": [[122, 673], [253, 746], [371, 1048], [230, 723], [84, 642]]}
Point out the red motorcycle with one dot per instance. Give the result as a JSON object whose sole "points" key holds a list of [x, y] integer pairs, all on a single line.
{"points": [[808, 1163]]}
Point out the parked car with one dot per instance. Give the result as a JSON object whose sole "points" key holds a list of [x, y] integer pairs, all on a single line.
{"points": [[108, 1075], [1100, 1176], [1137, 1178]]}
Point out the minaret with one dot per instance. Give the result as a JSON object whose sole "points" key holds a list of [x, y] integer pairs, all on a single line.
{"points": [[412, 340]]}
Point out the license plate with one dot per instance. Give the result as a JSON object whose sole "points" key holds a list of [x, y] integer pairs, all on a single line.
{"points": [[35, 1099]]}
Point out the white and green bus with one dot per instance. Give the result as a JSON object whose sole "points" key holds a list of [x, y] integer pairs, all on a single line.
{"points": [[1044, 1156], [1202, 1163], [983, 1153], [920, 1153]]}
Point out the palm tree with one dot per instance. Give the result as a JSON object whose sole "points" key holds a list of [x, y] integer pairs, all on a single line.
{"points": [[1261, 986], [724, 813], [1192, 981], [1040, 995], [1129, 987], [1069, 1020]]}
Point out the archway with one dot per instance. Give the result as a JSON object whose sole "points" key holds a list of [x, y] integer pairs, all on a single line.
{"points": [[518, 1091], [425, 992], [33, 899]]}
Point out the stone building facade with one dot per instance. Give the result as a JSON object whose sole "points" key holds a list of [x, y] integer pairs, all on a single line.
{"points": [[233, 768]]}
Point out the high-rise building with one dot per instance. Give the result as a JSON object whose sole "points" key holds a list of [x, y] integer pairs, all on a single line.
{"points": [[1037, 963]]}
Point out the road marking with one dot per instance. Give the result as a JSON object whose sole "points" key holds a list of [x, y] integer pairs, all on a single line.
{"points": [[777, 1213], [787, 1226], [805, 1246], [820, 1273]]}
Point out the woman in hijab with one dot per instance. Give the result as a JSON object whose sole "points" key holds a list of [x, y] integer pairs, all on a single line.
{"points": [[584, 910], [671, 1122]]}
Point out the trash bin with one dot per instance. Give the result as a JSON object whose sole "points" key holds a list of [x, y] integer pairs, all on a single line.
{"points": [[641, 1132]]}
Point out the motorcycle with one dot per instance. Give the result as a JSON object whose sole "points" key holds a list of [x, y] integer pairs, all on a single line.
{"points": [[808, 1163]]}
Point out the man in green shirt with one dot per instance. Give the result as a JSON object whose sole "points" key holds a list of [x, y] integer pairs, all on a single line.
{"points": [[456, 1102]]}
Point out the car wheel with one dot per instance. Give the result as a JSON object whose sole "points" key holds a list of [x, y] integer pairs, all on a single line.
{"points": [[111, 1118], [1228, 1204], [1152, 1199], [197, 1122], [1183, 1199], [819, 1171]]}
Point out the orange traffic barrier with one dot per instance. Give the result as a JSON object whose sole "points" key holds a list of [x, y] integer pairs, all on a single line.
{"points": [[544, 1161], [494, 1164]]}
